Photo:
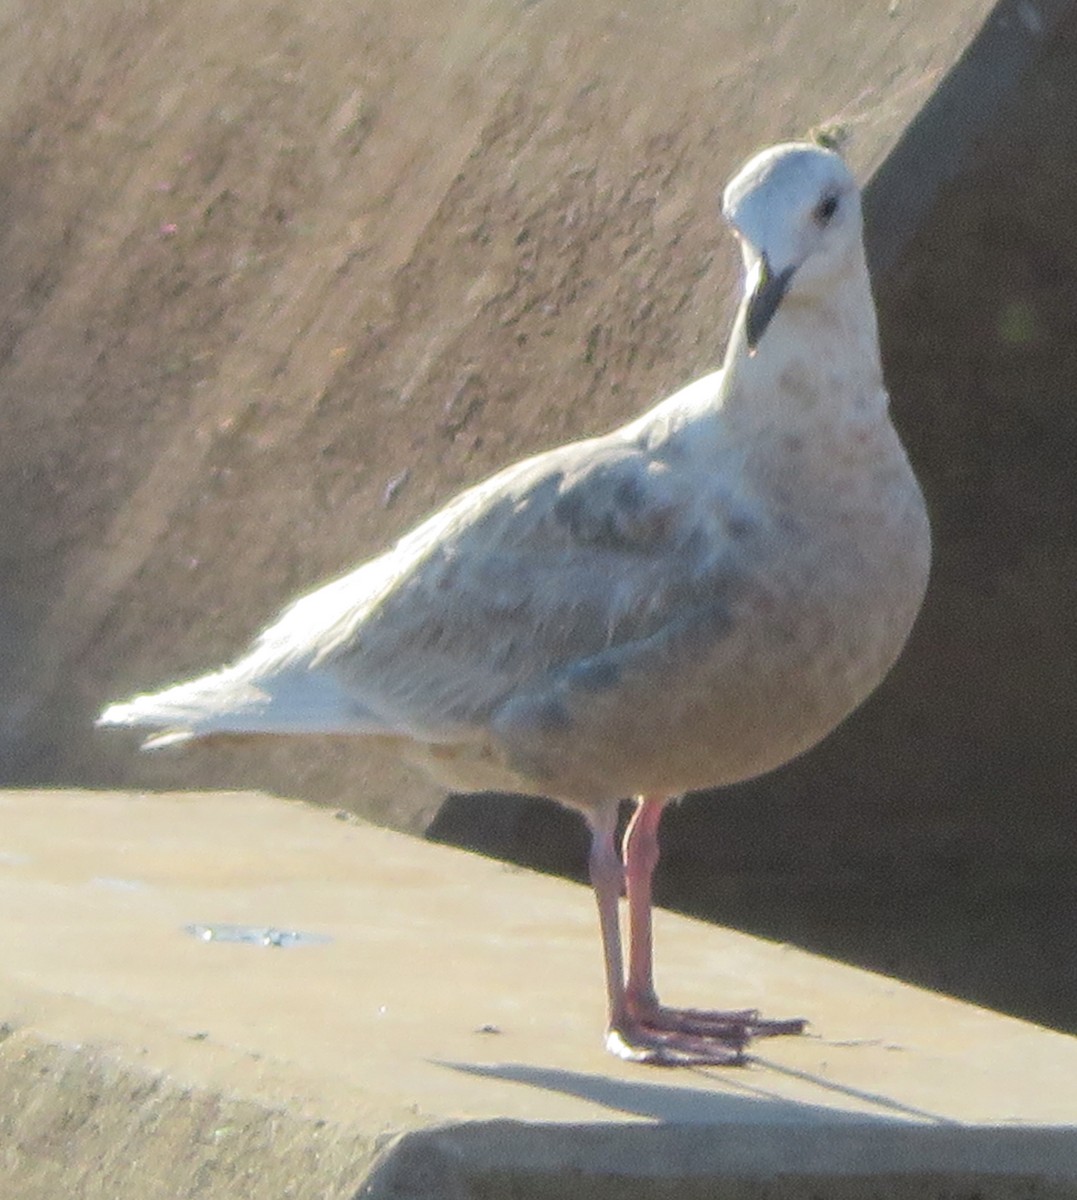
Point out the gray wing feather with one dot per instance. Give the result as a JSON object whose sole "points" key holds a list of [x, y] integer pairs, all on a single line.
{"points": [[579, 555]]}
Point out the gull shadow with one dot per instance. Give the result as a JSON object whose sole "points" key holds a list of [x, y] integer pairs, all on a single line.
{"points": [[730, 1100], [890, 1108]]}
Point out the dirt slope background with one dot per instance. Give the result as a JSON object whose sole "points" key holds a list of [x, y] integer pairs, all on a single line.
{"points": [[275, 281]]}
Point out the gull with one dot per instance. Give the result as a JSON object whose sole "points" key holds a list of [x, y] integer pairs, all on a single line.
{"points": [[686, 602]]}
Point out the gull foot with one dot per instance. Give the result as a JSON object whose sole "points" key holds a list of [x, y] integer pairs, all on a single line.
{"points": [[678, 1037]]}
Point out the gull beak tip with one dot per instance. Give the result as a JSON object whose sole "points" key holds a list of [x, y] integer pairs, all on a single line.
{"points": [[764, 300]]}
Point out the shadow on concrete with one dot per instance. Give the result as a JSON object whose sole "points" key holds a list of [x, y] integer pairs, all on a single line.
{"points": [[739, 1102]]}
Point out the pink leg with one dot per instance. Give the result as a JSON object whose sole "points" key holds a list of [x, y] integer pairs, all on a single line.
{"points": [[647, 1030], [640, 860], [607, 879]]}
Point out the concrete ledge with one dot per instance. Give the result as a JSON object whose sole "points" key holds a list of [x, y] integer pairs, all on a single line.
{"points": [[504, 1158], [439, 1034]]}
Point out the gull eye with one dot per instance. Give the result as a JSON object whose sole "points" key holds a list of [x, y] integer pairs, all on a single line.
{"points": [[825, 209]]}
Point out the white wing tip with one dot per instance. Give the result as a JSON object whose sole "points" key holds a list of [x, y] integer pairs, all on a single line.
{"points": [[135, 712], [118, 714], [131, 714]]}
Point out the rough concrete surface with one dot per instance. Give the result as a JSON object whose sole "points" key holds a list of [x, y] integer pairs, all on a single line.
{"points": [[439, 1034]]}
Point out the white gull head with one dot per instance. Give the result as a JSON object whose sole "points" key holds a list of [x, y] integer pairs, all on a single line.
{"points": [[796, 211]]}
